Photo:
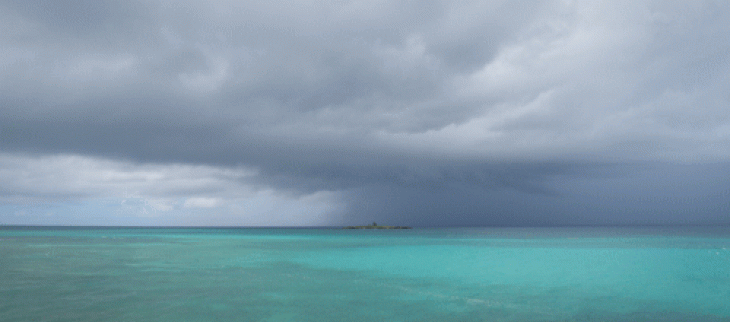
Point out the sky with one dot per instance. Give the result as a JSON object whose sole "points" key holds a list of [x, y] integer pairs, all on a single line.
{"points": [[316, 113]]}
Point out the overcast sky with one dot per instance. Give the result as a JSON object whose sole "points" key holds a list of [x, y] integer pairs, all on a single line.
{"points": [[421, 113]]}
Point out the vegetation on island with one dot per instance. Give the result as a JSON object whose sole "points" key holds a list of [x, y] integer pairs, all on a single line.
{"points": [[375, 226]]}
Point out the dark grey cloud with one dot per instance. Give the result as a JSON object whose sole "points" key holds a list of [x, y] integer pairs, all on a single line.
{"points": [[433, 112], [91, 20], [640, 194]]}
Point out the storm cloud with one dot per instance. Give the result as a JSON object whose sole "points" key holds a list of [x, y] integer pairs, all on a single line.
{"points": [[344, 112]]}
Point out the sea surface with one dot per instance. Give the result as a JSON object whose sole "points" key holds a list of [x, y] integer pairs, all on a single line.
{"points": [[454, 274]]}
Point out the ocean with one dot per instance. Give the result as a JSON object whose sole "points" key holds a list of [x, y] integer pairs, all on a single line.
{"points": [[444, 274]]}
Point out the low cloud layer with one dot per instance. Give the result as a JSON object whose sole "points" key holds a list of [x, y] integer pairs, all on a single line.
{"points": [[315, 113], [72, 189]]}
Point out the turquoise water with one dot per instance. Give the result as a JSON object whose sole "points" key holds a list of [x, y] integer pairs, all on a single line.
{"points": [[466, 274]]}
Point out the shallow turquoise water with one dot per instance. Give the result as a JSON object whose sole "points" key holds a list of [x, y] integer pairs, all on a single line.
{"points": [[466, 274]]}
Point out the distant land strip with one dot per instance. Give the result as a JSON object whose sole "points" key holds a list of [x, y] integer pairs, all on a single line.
{"points": [[376, 227]]}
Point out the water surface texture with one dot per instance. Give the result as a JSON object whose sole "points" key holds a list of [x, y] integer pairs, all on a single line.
{"points": [[464, 274]]}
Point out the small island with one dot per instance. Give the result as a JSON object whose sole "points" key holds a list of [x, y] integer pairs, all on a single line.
{"points": [[375, 226]]}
